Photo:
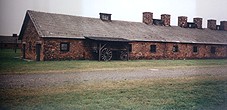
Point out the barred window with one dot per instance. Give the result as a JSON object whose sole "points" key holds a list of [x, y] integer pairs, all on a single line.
{"points": [[213, 50], [153, 48], [64, 46], [175, 48], [195, 49]]}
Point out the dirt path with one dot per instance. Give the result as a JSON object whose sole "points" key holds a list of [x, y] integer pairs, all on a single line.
{"points": [[40, 80]]}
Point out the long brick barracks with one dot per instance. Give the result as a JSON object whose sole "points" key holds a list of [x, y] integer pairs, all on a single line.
{"points": [[48, 36]]}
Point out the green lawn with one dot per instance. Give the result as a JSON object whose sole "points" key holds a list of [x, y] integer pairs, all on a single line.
{"points": [[11, 65], [191, 93]]}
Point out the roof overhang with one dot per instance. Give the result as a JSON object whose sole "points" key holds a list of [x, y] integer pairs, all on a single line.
{"points": [[107, 39]]}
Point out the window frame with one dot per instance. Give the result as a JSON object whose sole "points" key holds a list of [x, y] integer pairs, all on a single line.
{"points": [[212, 49], [153, 48], [175, 48], [64, 49], [195, 49]]}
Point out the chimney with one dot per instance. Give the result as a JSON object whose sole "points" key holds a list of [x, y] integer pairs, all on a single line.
{"points": [[165, 19], [198, 22], [223, 25], [182, 21], [148, 18], [105, 16], [14, 35], [211, 24]]}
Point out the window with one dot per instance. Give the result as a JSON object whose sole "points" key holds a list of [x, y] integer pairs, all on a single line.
{"points": [[195, 49], [153, 48], [105, 16], [64, 46], [175, 48], [213, 50], [130, 47]]}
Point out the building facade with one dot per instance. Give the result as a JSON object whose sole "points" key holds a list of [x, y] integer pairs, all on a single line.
{"points": [[47, 36], [10, 42]]}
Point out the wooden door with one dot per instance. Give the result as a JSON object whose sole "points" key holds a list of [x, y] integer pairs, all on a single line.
{"points": [[38, 49], [24, 50]]}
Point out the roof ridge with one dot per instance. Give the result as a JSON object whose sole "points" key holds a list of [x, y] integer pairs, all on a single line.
{"points": [[34, 22], [73, 26]]}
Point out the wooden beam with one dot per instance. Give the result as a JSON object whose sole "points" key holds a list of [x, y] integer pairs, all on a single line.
{"points": [[127, 51], [100, 51]]}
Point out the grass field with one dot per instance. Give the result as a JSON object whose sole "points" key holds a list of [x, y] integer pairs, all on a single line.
{"points": [[192, 93], [11, 65], [189, 93]]}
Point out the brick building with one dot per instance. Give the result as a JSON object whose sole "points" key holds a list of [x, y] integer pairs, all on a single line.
{"points": [[10, 42], [48, 36]]}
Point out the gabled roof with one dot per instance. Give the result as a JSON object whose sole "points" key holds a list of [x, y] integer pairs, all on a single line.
{"points": [[110, 39], [9, 39], [67, 26]]}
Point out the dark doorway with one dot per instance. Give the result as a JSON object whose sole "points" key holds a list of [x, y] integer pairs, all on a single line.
{"points": [[38, 48], [23, 49]]}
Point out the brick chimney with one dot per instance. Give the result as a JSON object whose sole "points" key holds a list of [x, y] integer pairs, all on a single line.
{"points": [[223, 25], [148, 18], [182, 21], [211, 24], [165, 19], [198, 22]]}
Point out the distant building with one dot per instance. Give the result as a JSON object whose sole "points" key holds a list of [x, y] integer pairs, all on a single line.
{"points": [[47, 36], [10, 42]]}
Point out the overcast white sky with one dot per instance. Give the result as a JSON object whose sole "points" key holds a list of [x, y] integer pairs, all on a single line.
{"points": [[12, 12]]}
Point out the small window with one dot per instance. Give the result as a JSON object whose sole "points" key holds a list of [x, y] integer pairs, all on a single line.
{"points": [[195, 49], [105, 16], [130, 47], [153, 48], [64, 46], [175, 48], [213, 50]]}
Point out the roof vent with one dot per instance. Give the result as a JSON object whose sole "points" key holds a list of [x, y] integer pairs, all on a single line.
{"points": [[158, 22], [105, 16], [191, 25], [218, 27]]}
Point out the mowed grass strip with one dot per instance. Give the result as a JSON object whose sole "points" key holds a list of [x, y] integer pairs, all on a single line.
{"points": [[198, 92], [11, 65]]}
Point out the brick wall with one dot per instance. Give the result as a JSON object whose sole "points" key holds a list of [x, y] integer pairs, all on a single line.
{"points": [[50, 49], [148, 18], [223, 25], [198, 22], [211, 24], [141, 50], [166, 19], [30, 39], [182, 21], [78, 49]]}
